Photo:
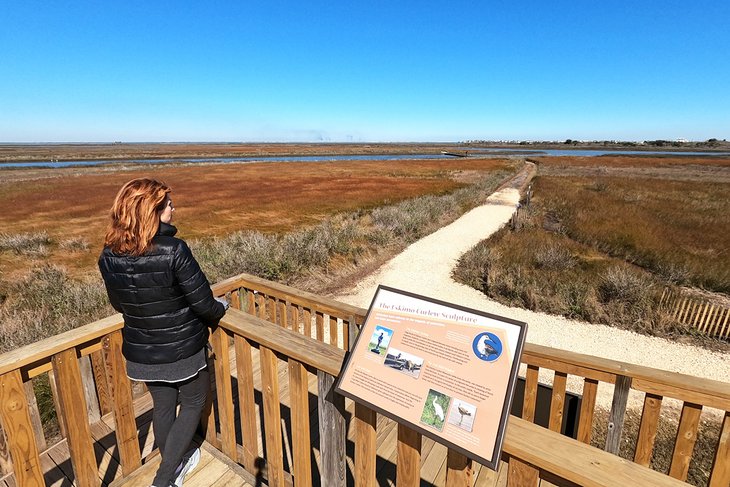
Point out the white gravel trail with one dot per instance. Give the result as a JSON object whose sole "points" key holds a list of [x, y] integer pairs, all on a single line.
{"points": [[425, 268]]}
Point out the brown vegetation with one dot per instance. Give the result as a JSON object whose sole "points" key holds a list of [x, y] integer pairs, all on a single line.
{"points": [[217, 199], [602, 248]]}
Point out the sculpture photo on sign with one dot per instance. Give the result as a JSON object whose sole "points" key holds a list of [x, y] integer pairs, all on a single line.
{"points": [[380, 340], [438, 368], [404, 362]]}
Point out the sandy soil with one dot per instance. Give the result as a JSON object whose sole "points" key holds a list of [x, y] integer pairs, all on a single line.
{"points": [[425, 268]]}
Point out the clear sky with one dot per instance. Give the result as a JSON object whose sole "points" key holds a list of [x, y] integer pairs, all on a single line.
{"points": [[363, 70]]}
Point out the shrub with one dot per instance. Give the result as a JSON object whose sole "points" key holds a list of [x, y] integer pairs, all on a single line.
{"points": [[553, 257], [25, 243], [75, 244], [619, 283]]}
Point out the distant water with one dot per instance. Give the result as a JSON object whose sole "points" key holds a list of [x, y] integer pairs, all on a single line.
{"points": [[589, 153], [218, 160], [383, 157]]}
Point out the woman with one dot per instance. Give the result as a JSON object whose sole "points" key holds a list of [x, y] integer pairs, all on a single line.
{"points": [[153, 279]]}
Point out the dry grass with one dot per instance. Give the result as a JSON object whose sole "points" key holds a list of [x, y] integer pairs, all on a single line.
{"points": [[602, 248], [704, 450]]}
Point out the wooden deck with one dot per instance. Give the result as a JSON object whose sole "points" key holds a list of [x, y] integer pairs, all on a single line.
{"points": [[214, 470]]}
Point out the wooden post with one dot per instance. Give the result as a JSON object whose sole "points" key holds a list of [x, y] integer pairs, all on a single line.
{"points": [[459, 470], [365, 446], [73, 404], [408, 466], [19, 430], [331, 432], [618, 411], [272, 417], [120, 389], [246, 402], [224, 393], [299, 400], [720, 475]]}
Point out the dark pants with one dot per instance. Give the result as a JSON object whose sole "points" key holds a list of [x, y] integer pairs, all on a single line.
{"points": [[174, 433]]}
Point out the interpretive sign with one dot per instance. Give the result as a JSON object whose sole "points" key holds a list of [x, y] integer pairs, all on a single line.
{"points": [[446, 371]]}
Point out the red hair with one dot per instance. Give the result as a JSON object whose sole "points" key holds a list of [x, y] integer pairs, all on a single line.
{"points": [[135, 216]]}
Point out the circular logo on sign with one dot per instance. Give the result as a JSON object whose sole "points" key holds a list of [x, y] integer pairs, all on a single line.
{"points": [[487, 346]]}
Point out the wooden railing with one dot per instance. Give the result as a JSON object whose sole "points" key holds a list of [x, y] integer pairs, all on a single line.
{"points": [[265, 357]]}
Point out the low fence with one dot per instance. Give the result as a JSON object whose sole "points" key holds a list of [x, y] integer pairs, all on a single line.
{"points": [[705, 316]]}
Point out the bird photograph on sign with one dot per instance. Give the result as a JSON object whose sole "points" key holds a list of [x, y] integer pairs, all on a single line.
{"points": [[434, 410], [462, 414]]}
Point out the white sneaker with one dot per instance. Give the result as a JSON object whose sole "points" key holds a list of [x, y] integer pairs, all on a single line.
{"points": [[193, 458]]}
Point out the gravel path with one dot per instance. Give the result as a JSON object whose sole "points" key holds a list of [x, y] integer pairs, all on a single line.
{"points": [[425, 268]]}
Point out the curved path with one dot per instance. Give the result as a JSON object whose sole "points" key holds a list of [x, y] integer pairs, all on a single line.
{"points": [[425, 268]]}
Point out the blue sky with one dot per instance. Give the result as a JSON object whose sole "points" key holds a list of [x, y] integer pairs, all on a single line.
{"points": [[363, 71]]}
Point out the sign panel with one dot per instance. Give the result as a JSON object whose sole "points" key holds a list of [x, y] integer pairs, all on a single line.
{"points": [[446, 371]]}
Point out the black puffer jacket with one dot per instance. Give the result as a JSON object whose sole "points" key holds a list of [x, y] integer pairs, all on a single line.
{"points": [[165, 299]]}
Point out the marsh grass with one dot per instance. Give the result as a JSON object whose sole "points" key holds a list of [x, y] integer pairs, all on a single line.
{"points": [[703, 453], [30, 243], [603, 249]]}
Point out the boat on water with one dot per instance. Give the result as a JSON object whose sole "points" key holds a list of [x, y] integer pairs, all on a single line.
{"points": [[454, 154]]}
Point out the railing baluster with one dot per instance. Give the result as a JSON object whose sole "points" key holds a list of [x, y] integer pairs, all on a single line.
{"points": [[101, 381], [618, 411], [236, 299], [528, 404], [307, 318], [299, 402], [720, 474], [35, 415], [17, 424], [87, 379], [587, 409], [224, 393], [74, 413], [272, 417], [320, 325], [648, 428], [557, 403], [283, 321], [120, 389], [246, 402], [686, 438], [334, 339], [331, 431]]}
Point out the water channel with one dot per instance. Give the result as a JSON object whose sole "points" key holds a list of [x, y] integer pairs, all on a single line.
{"points": [[496, 152]]}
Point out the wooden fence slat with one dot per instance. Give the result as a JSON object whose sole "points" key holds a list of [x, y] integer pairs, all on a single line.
{"points": [[648, 429], [120, 390], [19, 430], [686, 438], [261, 306], [246, 402], [707, 319], [299, 402], [224, 393], [365, 446], [283, 320], [296, 318], [618, 411], [558, 401], [679, 308], [408, 466], [587, 409], [459, 470], [56, 402], [528, 405], [700, 314], [272, 417], [73, 404], [332, 432], [720, 474], [522, 474], [725, 332], [721, 312]]}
